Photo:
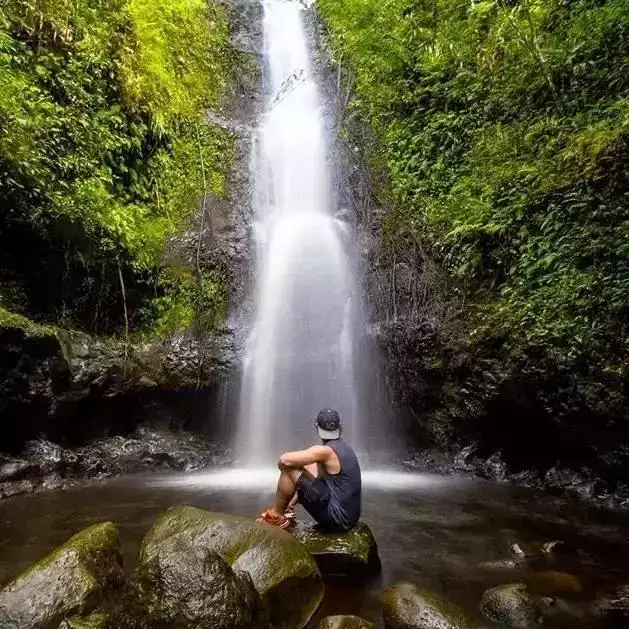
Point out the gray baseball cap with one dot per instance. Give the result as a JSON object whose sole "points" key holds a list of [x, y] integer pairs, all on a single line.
{"points": [[328, 424]]}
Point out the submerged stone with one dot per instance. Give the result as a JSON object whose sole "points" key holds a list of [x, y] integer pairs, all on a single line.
{"points": [[282, 571], [511, 605], [406, 606], [552, 582], [179, 585], [345, 622], [72, 580], [613, 603], [353, 553]]}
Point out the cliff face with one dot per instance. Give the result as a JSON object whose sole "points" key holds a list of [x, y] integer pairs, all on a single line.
{"points": [[524, 405], [70, 386]]}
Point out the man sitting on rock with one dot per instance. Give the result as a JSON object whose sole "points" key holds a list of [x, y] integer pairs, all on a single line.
{"points": [[324, 479]]}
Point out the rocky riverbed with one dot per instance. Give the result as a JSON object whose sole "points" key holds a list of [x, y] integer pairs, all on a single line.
{"points": [[156, 447], [207, 570], [43, 465]]}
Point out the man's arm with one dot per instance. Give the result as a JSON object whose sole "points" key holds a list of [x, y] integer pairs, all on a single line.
{"points": [[301, 458]]}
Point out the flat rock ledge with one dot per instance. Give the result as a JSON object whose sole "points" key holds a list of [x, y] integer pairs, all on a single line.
{"points": [[354, 553]]}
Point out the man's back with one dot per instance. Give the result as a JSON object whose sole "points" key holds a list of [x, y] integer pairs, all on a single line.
{"points": [[345, 487]]}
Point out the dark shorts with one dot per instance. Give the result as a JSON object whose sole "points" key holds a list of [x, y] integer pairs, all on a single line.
{"points": [[314, 495]]}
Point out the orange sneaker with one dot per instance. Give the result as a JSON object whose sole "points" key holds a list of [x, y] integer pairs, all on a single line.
{"points": [[271, 517]]}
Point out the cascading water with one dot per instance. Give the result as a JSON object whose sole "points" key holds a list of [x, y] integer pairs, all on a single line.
{"points": [[302, 349]]}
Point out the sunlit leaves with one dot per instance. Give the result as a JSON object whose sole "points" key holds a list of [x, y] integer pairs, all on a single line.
{"points": [[103, 137], [504, 130]]}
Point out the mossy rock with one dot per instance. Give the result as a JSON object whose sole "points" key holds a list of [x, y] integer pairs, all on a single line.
{"points": [[282, 571], [406, 606], [353, 553], [72, 580], [511, 605], [181, 585], [96, 620], [345, 622]]}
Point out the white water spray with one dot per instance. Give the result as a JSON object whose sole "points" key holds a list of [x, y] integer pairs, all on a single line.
{"points": [[302, 349]]}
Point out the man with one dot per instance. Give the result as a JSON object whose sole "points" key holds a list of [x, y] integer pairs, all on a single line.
{"points": [[324, 479]]}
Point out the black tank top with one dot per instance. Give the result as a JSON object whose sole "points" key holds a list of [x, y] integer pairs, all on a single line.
{"points": [[345, 487]]}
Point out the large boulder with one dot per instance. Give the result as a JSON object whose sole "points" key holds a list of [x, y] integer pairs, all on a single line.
{"points": [[510, 605], [406, 606], [353, 553], [345, 622], [180, 585], [72, 580], [282, 571]]}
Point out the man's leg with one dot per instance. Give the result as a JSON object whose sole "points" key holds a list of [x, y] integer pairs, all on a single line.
{"points": [[287, 486]]}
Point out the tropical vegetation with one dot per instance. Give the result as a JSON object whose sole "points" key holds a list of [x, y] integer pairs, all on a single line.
{"points": [[105, 154], [502, 128]]}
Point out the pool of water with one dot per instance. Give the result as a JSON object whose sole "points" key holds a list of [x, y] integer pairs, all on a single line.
{"points": [[438, 532]]}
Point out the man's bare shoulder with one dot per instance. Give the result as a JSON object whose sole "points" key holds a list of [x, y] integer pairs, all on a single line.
{"points": [[321, 453]]}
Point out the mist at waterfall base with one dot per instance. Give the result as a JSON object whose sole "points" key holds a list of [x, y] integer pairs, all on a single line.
{"points": [[308, 334]]}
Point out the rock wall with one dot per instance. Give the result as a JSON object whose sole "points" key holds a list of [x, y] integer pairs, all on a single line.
{"points": [[70, 387], [448, 389]]}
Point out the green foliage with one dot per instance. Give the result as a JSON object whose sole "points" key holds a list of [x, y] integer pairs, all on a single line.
{"points": [[104, 147], [9, 319], [503, 126], [187, 301]]}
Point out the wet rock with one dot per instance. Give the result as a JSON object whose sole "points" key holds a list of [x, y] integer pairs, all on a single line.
{"points": [[32, 371], [344, 622], [14, 470], [500, 565], [612, 603], [494, 468], [50, 466], [97, 620], [180, 585], [406, 606], [353, 553], [73, 579], [48, 458], [466, 460], [283, 573], [555, 548], [511, 605], [8, 490], [527, 551], [552, 583]]}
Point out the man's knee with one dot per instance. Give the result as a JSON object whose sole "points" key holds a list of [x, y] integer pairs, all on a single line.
{"points": [[293, 473]]}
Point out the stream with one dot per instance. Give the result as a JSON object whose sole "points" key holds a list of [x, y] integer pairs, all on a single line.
{"points": [[442, 533]]}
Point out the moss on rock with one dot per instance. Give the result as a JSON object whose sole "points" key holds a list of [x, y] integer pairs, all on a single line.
{"points": [[72, 580], [96, 620], [353, 553], [511, 605], [282, 571], [180, 585], [406, 606]]}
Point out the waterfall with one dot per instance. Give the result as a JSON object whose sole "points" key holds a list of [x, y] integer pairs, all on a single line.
{"points": [[301, 352]]}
